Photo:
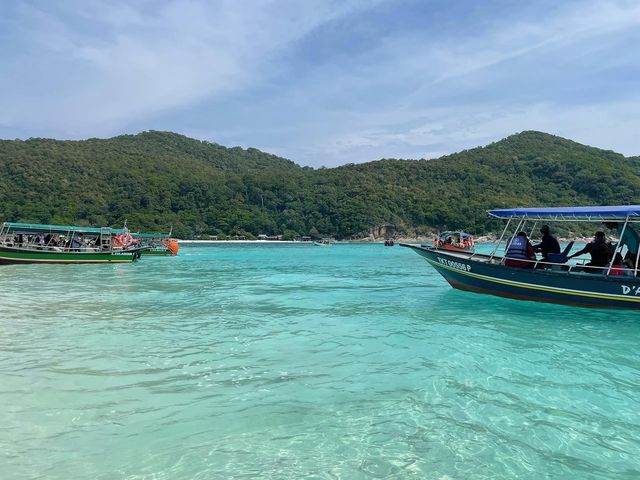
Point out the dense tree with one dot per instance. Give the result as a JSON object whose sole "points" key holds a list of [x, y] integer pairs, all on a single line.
{"points": [[156, 180]]}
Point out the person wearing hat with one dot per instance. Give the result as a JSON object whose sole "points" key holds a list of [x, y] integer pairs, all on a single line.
{"points": [[600, 251], [549, 244]]}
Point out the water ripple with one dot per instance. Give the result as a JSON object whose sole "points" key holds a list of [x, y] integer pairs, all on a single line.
{"points": [[353, 362]]}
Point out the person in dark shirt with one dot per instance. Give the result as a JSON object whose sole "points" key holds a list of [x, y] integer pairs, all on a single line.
{"points": [[549, 244], [600, 251]]}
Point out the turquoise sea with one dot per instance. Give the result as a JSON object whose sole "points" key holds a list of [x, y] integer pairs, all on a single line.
{"points": [[299, 362]]}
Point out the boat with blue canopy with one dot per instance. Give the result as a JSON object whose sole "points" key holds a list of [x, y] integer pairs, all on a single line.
{"points": [[554, 279], [42, 243]]}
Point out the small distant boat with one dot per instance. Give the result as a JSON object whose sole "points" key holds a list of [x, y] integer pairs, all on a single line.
{"points": [[553, 280], [456, 241], [41, 243], [157, 244], [324, 242]]}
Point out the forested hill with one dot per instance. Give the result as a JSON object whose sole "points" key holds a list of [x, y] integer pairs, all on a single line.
{"points": [[158, 179]]}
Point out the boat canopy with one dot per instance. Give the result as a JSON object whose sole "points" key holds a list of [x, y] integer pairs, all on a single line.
{"points": [[463, 235], [604, 213], [150, 235], [32, 228]]}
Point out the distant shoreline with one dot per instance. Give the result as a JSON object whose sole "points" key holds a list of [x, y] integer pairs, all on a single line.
{"points": [[181, 242], [480, 239]]}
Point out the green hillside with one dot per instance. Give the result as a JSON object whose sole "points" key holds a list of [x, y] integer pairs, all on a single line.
{"points": [[157, 179]]}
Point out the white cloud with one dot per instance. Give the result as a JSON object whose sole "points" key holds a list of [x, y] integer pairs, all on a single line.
{"points": [[576, 23], [611, 126], [103, 67], [477, 90], [183, 52], [405, 57]]}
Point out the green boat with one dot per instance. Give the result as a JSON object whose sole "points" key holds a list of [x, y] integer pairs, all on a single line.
{"points": [[158, 244], [40, 243]]}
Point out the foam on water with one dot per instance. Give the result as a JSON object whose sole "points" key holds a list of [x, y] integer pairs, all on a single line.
{"points": [[354, 361]]}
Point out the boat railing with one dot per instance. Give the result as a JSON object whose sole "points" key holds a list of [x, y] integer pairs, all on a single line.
{"points": [[10, 241], [573, 268]]}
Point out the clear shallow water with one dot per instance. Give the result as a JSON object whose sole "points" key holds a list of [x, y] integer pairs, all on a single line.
{"points": [[289, 362]]}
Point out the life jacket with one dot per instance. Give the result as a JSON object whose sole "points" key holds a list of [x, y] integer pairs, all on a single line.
{"points": [[617, 270], [518, 248]]}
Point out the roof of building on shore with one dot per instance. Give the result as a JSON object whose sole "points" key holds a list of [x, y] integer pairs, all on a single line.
{"points": [[600, 213]]}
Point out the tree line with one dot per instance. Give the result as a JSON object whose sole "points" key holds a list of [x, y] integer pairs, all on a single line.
{"points": [[158, 180]]}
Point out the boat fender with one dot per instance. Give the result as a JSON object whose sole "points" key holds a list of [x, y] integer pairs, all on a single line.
{"points": [[173, 246]]}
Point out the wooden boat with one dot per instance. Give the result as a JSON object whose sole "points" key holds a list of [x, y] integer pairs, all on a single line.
{"points": [[455, 241], [40, 243], [553, 281], [157, 244]]}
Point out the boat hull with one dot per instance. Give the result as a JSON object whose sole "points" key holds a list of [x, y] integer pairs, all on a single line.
{"points": [[21, 255], [453, 248], [158, 253], [463, 272]]}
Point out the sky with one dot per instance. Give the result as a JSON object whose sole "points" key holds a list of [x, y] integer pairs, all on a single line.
{"points": [[324, 82]]}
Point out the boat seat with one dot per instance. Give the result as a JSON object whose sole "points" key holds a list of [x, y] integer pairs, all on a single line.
{"points": [[561, 257]]}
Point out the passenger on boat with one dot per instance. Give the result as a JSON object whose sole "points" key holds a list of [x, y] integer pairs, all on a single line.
{"points": [[76, 243], [600, 251], [629, 238], [549, 244], [520, 252], [617, 266]]}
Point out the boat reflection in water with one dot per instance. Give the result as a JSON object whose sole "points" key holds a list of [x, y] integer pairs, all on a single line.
{"points": [[553, 281]]}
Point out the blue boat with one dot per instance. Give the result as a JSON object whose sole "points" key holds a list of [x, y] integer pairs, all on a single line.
{"points": [[555, 280]]}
